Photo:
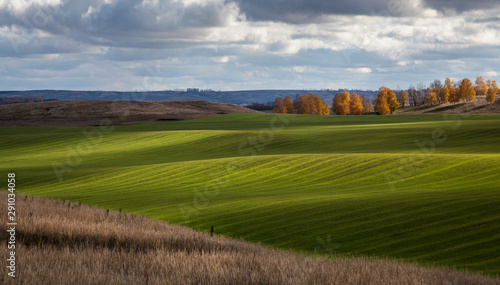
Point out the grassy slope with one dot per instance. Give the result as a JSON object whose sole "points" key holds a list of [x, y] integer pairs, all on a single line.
{"points": [[319, 179], [95, 246]]}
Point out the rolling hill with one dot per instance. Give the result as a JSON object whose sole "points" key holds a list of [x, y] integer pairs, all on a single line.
{"points": [[101, 112], [60, 242], [415, 188]]}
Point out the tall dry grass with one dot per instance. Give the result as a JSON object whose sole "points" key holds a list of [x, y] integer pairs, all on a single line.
{"points": [[66, 243]]}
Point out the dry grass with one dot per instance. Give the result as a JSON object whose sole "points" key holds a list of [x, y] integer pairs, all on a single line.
{"points": [[478, 106], [63, 243], [93, 112]]}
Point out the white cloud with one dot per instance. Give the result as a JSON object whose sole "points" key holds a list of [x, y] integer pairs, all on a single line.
{"points": [[490, 73], [359, 70]]}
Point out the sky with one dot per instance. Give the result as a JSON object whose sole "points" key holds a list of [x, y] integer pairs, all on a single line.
{"points": [[145, 45]]}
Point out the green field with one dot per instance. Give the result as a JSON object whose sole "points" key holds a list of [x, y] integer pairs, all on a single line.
{"points": [[357, 185]]}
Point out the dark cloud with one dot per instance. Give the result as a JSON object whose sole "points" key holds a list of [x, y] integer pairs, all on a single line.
{"points": [[119, 23], [300, 11], [461, 5], [307, 10]]}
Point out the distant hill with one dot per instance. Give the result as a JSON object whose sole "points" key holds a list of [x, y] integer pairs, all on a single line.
{"points": [[93, 112], [229, 97]]}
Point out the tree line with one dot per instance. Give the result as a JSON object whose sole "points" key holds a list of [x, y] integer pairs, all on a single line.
{"points": [[303, 104], [452, 92], [343, 104], [388, 100], [15, 100]]}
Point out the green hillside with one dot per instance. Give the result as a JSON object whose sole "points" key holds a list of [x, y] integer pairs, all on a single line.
{"points": [[422, 188]]}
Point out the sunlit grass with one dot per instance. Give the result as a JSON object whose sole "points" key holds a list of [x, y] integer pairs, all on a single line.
{"points": [[318, 177]]}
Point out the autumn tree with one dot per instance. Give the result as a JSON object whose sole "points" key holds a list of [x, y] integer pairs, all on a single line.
{"points": [[403, 98], [384, 96], [481, 88], [310, 103], [453, 96], [319, 105], [466, 90], [444, 94], [430, 97], [341, 103], [356, 105], [367, 105], [313, 105], [289, 105], [492, 91], [279, 106], [392, 100], [325, 110], [303, 105]]}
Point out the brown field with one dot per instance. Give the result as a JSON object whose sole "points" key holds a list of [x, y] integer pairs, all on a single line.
{"points": [[66, 243], [93, 112]]}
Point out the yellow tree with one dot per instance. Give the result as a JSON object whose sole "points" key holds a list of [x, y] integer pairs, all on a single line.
{"points": [[311, 104], [453, 96], [319, 105], [481, 88], [279, 106], [326, 109], [382, 105], [444, 94], [466, 90], [392, 100], [356, 105], [430, 98], [492, 91], [403, 98], [341, 103], [288, 104]]}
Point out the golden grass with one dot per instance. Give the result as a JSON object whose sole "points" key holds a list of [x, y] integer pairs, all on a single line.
{"points": [[63, 243]]}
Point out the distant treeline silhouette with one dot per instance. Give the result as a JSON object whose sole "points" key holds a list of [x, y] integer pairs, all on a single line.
{"points": [[16, 100]]}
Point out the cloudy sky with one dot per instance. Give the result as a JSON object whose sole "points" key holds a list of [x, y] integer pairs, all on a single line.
{"points": [[244, 44]]}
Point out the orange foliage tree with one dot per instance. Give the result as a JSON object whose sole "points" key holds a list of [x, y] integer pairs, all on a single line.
{"points": [[444, 95], [303, 105], [391, 99], [447, 93], [454, 96], [288, 104], [341, 103], [356, 105], [326, 109], [279, 106], [492, 91], [430, 98], [310, 104], [466, 90], [386, 101]]}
